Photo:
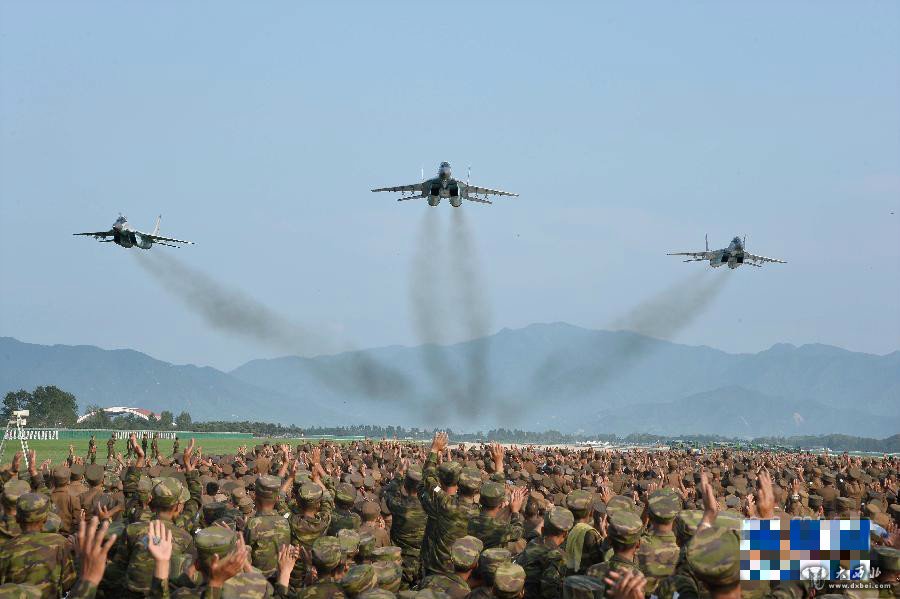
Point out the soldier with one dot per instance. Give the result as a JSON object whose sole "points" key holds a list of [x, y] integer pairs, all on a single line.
{"points": [[390, 576], [658, 553], [544, 550], [407, 522], [12, 490], [327, 559], [35, 557], [76, 484], [448, 509], [267, 531], [154, 447], [487, 525], [89, 500], [583, 543], [625, 529], [344, 516], [111, 447], [482, 579], [713, 555], [312, 516], [144, 441], [683, 581], [175, 445], [167, 499], [67, 506], [464, 556], [373, 525]]}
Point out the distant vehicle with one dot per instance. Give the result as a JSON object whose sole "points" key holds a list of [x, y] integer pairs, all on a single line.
{"points": [[124, 235], [734, 255], [444, 186]]}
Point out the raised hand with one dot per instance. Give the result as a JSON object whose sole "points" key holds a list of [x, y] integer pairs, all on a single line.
{"points": [[625, 584], [92, 550], [710, 506], [439, 443], [765, 497], [517, 499], [287, 557], [220, 570]]}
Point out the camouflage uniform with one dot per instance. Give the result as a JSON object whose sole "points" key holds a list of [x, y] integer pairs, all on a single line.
{"points": [[492, 531], [111, 448], [326, 556], [306, 529], [343, 515], [38, 558], [66, 504], [12, 490], [625, 528], [509, 580], [407, 525], [133, 557], [683, 582], [92, 450], [464, 557], [268, 530], [583, 543], [658, 554], [448, 516], [541, 552]]}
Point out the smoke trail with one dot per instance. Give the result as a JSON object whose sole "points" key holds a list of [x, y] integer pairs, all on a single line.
{"points": [[475, 309], [234, 312], [428, 317], [662, 315]]}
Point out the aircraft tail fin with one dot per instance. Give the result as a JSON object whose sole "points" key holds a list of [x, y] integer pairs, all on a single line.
{"points": [[156, 228], [706, 237]]}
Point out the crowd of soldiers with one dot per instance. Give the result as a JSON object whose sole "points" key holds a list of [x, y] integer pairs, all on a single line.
{"points": [[382, 519]]}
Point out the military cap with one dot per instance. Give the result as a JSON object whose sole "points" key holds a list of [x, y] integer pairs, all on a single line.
{"points": [[359, 579], [732, 501], [414, 473], [13, 489], [268, 486], [828, 476], [583, 587], [714, 556], [465, 551], [509, 580], [214, 540], [729, 520], [11, 590], [52, 523], [580, 502], [144, 486], [76, 471], [213, 510], [498, 477], [815, 501], [389, 575], [349, 540], [664, 504], [61, 475], [168, 492], [886, 558], [370, 510], [344, 494], [490, 560], [686, 523], [492, 494], [619, 502], [94, 474], [625, 527], [326, 552], [155, 471], [377, 593], [387, 554], [367, 545], [558, 519], [356, 479], [310, 492], [448, 472], [369, 482], [470, 479], [32, 507]]}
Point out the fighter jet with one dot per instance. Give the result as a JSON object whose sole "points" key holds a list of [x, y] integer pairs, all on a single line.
{"points": [[734, 255], [123, 234], [445, 186]]}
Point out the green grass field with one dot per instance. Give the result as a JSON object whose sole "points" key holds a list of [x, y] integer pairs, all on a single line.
{"points": [[58, 451]]}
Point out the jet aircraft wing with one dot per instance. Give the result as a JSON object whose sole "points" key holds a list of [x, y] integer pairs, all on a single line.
{"points": [[694, 255], [158, 238], [755, 258], [488, 191], [414, 187], [97, 234]]}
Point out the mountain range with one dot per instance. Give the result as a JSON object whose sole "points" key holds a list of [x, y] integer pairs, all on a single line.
{"points": [[543, 376]]}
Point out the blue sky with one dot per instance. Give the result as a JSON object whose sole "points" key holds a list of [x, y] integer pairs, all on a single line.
{"points": [[257, 131]]}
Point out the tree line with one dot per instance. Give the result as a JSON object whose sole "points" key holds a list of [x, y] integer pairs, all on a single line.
{"points": [[52, 407]]}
